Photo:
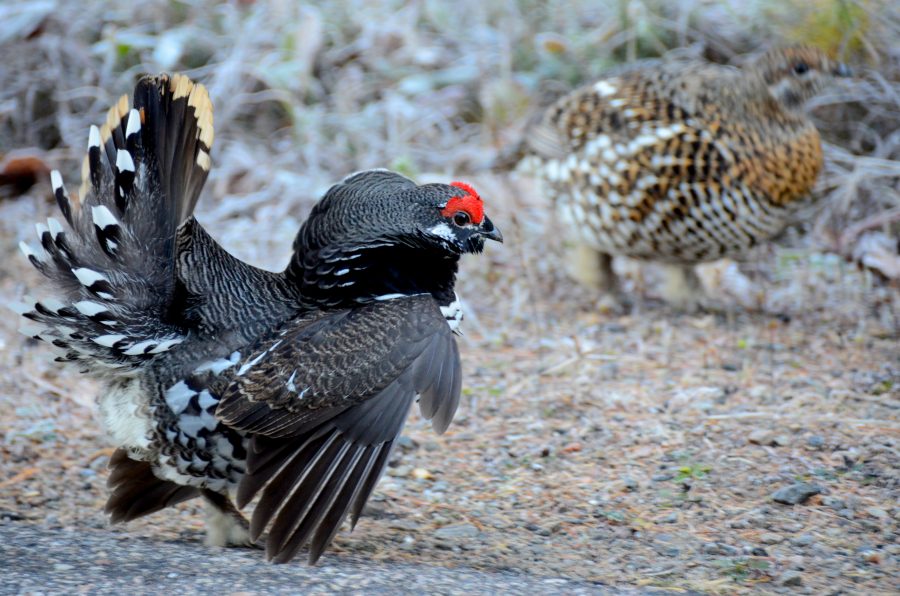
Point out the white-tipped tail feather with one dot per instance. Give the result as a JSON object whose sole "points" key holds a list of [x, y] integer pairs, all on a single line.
{"points": [[112, 260]]}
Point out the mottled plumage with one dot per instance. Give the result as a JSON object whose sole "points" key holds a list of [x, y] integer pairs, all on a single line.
{"points": [[221, 377], [682, 162]]}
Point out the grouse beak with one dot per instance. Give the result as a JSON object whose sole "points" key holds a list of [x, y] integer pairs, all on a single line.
{"points": [[842, 70], [489, 231]]}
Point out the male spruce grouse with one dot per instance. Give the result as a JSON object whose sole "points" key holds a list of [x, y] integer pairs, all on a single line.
{"points": [[222, 377], [681, 162]]}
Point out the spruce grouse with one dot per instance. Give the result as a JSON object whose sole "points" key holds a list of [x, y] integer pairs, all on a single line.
{"points": [[681, 162], [222, 377]]}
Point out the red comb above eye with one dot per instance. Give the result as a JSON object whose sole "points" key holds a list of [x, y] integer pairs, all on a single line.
{"points": [[471, 203]]}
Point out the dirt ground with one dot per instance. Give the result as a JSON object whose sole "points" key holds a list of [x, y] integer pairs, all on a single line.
{"points": [[639, 447], [632, 447]]}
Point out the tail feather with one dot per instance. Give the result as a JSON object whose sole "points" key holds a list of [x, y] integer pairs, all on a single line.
{"points": [[113, 261], [136, 491]]}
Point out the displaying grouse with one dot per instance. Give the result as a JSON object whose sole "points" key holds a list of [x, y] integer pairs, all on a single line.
{"points": [[681, 161], [222, 377]]}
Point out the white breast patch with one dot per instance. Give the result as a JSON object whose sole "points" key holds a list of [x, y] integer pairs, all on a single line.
{"points": [[453, 313]]}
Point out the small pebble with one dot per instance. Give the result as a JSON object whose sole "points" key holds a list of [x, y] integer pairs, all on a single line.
{"points": [[803, 540], [771, 538], [877, 512], [791, 578], [719, 548], [870, 555], [399, 471], [796, 494], [406, 442], [760, 436], [833, 502], [815, 441], [403, 524], [456, 531]]}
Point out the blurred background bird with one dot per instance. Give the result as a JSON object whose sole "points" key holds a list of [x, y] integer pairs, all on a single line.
{"points": [[682, 162]]}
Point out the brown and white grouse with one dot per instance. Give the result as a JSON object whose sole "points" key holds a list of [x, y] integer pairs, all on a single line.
{"points": [[681, 162], [221, 377]]}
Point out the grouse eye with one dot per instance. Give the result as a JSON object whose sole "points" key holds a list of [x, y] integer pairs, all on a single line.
{"points": [[461, 218], [801, 68]]}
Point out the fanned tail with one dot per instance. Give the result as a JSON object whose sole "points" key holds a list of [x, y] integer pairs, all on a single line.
{"points": [[112, 263]]}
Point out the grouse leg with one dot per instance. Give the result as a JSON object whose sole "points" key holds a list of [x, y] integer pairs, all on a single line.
{"points": [[593, 269], [225, 525], [683, 289]]}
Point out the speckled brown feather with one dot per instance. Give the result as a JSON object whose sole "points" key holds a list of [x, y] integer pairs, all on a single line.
{"points": [[682, 161]]}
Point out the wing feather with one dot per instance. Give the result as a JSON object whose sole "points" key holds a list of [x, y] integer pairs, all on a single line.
{"points": [[324, 401]]}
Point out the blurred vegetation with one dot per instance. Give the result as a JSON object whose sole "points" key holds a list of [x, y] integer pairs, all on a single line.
{"points": [[306, 93]]}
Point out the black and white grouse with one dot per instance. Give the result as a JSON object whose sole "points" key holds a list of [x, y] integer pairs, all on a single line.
{"points": [[221, 377]]}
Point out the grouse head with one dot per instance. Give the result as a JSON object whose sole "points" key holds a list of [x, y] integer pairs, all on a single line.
{"points": [[794, 75], [379, 233]]}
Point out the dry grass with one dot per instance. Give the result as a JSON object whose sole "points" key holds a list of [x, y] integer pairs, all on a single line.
{"points": [[562, 402]]}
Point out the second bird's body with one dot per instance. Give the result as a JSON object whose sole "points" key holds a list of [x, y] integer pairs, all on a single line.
{"points": [[680, 161]]}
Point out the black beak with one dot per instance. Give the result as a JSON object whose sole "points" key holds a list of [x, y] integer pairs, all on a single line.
{"points": [[489, 231], [842, 70]]}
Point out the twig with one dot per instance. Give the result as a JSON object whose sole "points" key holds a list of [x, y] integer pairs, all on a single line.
{"points": [[874, 221], [23, 475]]}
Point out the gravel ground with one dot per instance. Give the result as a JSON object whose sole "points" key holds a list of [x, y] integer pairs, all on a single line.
{"points": [[117, 563], [635, 449], [629, 450]]}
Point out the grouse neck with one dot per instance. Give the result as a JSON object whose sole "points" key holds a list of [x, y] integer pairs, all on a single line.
{"points": [[341, 278]]}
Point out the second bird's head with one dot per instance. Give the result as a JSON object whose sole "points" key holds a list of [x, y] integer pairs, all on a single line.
{"points": [[796, 74], [380, 208]]}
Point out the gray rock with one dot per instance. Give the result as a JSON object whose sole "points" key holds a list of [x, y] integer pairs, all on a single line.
{"points": [[796, 494], [403, 524], [791, 578], [760, 436], [456, 531], [803, 540], [834, 503], [719, 548], [815, 441], [877, 512]]}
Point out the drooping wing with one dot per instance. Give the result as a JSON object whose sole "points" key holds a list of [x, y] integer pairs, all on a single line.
{"points": [[324, 400]]}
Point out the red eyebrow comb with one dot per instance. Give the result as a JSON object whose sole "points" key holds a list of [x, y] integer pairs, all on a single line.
{"points": [[471, 203]]}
